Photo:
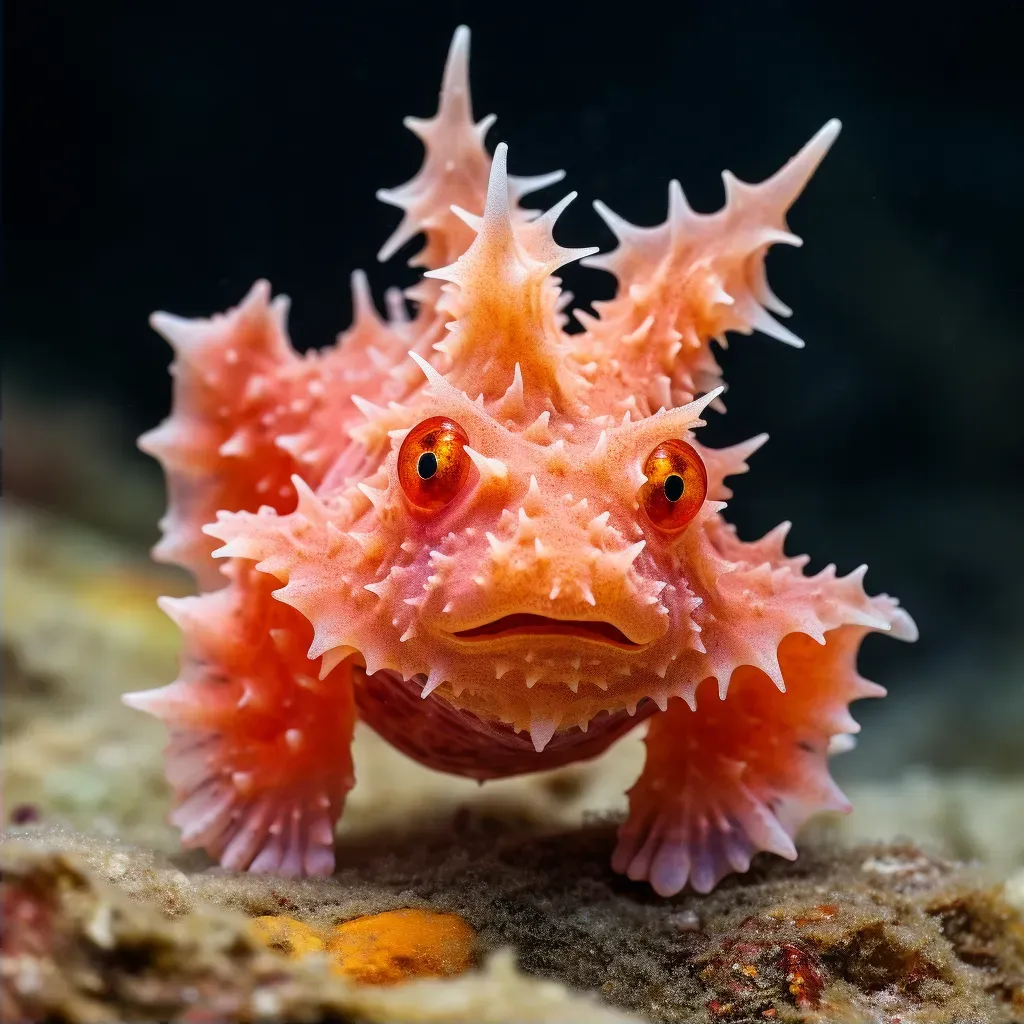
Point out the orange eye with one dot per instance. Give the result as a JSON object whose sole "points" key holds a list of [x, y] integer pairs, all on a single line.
{"points": [[677, 484], [433, 464]]}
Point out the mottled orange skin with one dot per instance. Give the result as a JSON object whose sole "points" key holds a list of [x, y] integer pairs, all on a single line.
{"points": [[546, 598]]}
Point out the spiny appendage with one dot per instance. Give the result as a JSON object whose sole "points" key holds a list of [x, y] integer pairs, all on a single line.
{"points": [[722, 463], [507, 305], [363, 376], [227, 376], [694, 277], [742, 775], [454, 171], [259, 754], [324, 564], [249, 411], [757, 595]]}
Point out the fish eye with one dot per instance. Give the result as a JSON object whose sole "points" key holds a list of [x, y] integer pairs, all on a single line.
{"points": [[677, 484], [432, 463]]}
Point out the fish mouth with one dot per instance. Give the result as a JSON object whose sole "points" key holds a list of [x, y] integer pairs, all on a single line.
{"points": [[528, 624]]}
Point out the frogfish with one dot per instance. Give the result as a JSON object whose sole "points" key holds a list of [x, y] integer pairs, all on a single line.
{"points": [[498, 542]]}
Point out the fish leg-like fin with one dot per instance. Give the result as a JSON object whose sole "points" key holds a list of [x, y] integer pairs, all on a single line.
{"points": [[259, 757], [741, 775]]}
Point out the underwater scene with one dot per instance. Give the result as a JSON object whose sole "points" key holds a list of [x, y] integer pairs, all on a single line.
{"points": [[454, 605]]}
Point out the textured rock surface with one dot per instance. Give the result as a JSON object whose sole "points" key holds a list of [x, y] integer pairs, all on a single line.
{"points": [[75, 949], [873, 934]]}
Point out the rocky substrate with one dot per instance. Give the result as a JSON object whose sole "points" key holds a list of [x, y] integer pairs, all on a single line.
{"points": [[95, 932]]}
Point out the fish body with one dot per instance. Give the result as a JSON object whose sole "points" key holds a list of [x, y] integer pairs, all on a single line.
{"points": [[499, 543]]}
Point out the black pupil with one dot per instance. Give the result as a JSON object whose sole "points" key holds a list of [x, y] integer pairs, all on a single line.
{"points": [[426, 465], [673, 487]]}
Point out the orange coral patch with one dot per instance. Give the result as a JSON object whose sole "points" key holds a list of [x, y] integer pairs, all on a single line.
{"points": [[380, 949], [384, 949]]}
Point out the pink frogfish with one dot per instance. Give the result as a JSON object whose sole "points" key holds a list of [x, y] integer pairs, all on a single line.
{"points": [[497, 542]]}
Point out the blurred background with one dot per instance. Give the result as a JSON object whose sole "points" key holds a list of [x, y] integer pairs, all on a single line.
{"points": [[163, 156]]}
